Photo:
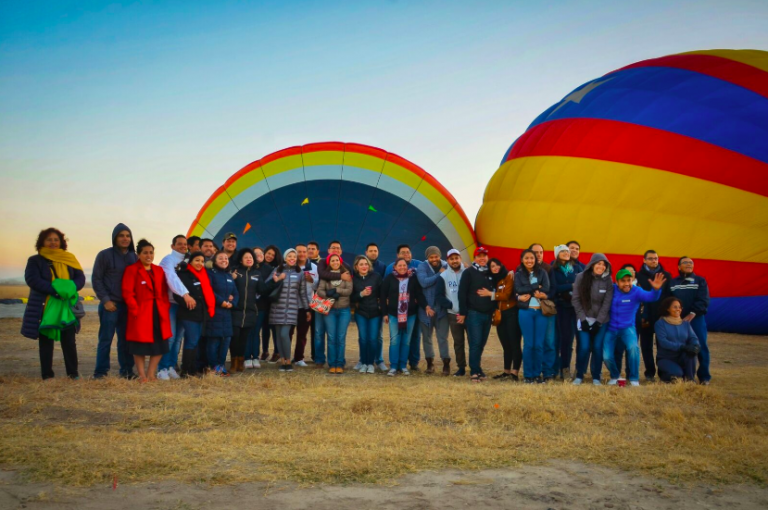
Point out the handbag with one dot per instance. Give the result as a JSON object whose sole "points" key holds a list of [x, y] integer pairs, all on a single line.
{"points": [[547, 307], [496, 317], [321, 305], [78, 309]]}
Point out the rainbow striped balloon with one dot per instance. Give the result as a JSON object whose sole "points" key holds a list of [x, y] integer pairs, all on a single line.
{"points": [[333, 190], [669, 154]]}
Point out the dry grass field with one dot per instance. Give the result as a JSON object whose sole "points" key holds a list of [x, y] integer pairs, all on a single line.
{"points": [[309, 427]]}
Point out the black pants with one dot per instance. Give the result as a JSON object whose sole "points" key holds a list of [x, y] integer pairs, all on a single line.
{"points": [[566, 329], [68, 348], [239, 338], [646, 348], [510, 337]]}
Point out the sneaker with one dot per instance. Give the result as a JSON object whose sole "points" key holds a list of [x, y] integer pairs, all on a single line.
{"points": [[274, 359], [288, 368], [705, 383], [301, 364], [391, 372], [540, 380], [651, 379], [363, 368], [382, 366], [255, 364], [163, 375], [248, 363], [461, 372], [173, 374], [530, 380], [613, 382], [577, 381], [406, 372], [634, 383], [281, 368], [358, 366], [502, 375], [371, 370], [264, 356], [596, 382]]}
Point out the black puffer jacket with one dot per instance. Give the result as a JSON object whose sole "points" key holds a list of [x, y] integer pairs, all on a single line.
{"points": [[250, 282], [200, 312], [367, 306]]}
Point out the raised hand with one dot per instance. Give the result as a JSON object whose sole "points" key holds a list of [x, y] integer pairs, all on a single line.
{"points": [[658, 281]]}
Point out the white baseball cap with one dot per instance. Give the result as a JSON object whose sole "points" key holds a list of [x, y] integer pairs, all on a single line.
{"points": [[453, 251]]}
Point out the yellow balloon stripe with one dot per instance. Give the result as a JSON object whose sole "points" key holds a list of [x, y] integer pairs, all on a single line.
{"points": [[754, 58], [621, 208]]}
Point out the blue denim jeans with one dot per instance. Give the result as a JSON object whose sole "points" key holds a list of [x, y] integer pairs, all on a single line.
{"points": [[320, 330], [217, 350], [478, 328], [111, 323], [400, 342], [699, 326], [368, 334], [336, 323], [550, 361], [590, 344], [192, 333], [534, 326], [171, 358], [380, 344], [627, 336], [252, 344], [414, 354]]}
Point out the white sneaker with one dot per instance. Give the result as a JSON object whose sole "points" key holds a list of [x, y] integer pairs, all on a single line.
{"points": [[163, 375], [382, 366], [577, 381], [363, 369], [406, 372], [172, 373], [634, 383], [596, 382], [613, 382], [255, 364], [248, 363], [371, 370], [392, 373], [358, 366], [301, 364]]}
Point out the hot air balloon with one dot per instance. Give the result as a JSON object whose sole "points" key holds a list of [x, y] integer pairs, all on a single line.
{"points": [[669, 154], [336, 191]]}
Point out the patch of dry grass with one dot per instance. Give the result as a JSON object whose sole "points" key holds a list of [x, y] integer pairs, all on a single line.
{"points": [[311, 427]]}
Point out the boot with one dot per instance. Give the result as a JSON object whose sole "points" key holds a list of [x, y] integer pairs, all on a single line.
{"points": [[189, 363], [446, 366], [233, 364], [240, 363], [430, 365]]}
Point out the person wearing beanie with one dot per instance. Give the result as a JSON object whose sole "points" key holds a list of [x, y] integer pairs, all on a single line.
{"points": [[563, 276], [624, 305], [337, 320], [433, 317]]}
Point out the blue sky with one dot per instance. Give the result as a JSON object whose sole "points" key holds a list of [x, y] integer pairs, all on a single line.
{"points": [[136, 112]]}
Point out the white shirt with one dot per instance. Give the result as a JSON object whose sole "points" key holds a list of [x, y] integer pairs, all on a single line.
{"points": [[169, 264]]}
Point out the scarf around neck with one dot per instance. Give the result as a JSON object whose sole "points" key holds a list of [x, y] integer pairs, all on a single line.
{"points": [[673, 321], [210, 300], [479, 267], [566, 268], [60, 260], [652, 271], [403, 298]]}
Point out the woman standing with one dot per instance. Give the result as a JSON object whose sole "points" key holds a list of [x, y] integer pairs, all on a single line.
{"points": [[564, 275], [531, 286], [272, 260], [592, 295], [219, 329], [337, 320], [284, 312], [253, 343], [195, 278], [246, 310], [52, 262], [366, 286], [401, 297], [145, 292], [509, 327], [676, 344]]}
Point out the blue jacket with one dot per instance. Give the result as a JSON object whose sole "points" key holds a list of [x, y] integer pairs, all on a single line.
{"points": [[429, 279], [414, 264], [670, 339], [108, 269], [223, 285], [693, 293], [38, 275], [562, 285], [379, 267], [624, 306]]}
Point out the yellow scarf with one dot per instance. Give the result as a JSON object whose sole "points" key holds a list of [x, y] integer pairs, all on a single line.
{"points": [[60, 259]]}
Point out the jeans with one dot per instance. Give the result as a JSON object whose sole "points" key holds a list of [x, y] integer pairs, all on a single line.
{"points": [[319, 339], [399, 342], [336, 323], [414, 355], [380, 344], [217, 350], [459, 334], [368, 333], [283, 340], [171, 358], [252, 342], [534, 327], [192, 333], [682, 366], [566, 330], [590, 343], [628, 336], [111, 323], [440, 328], [68, 348], [699, 325], [478, 329], [550, 361]]}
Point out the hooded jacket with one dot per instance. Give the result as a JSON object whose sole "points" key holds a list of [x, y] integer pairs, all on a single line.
{"points": [[600, 295], [430, 279], [448, 293], [109, 267]]}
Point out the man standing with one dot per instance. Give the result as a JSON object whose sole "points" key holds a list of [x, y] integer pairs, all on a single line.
{"points": [[414, 355], [448, 296], [166, 369], [209, 250], [372, 252], [575, 248], [313, 255], [433, 317], [310, 275], [651, 311], [229, 245], [476, 311], [107, 282]]}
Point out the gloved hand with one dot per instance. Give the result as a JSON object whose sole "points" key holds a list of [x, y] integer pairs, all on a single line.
{"points": [[691, 349], [596, 326], [331, 293]]}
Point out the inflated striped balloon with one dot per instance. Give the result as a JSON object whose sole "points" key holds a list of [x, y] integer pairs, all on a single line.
{"points": [[669, 154]]}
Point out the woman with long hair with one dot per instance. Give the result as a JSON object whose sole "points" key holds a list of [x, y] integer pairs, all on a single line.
{"points": [[290, 300], [272, 260], [563, 274], [54, 277], [337, 320], [246, 310], [253, 343], [531, 286], [508, 328], [145, 291], [401, 296], [366, 284]]}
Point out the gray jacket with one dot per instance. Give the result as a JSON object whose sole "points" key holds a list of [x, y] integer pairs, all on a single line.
{"points": [[108, 269], [601, 295], [293, 297]]}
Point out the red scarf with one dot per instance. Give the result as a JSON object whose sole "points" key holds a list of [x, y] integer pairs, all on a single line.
{"points": [[210, 300]]}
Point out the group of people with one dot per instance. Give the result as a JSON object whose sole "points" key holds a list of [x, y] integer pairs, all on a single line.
{"points": [[202, 302]]}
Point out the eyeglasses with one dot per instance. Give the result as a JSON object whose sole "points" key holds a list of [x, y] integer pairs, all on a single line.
{"points": [[686, 263]]}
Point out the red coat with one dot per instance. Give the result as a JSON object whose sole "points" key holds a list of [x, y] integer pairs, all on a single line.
{"points": [[140, 291]]}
